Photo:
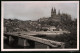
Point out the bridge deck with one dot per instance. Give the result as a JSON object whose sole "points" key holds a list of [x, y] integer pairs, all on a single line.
{"points": [[38, 33], [41, 40]]}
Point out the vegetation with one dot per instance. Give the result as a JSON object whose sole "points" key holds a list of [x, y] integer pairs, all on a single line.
{"points": [[14, 25]]}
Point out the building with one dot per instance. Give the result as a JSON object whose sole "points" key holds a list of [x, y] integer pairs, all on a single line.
{"points": [[54, 16]]}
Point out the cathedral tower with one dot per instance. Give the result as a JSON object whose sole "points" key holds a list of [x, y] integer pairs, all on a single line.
{"points": [[59, 12], [55, 17], [53, 12]]}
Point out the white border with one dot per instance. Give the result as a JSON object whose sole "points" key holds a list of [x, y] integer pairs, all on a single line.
{"points": [[2, 47]]}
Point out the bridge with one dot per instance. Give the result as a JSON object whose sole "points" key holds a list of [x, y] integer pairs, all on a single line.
{"points": [[31, 36]]}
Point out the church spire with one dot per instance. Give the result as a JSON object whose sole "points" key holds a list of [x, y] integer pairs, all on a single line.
{"points": [[54, 10], [59, 12]]}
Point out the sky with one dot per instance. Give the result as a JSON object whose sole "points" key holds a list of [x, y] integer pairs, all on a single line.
{"points": [[35, 10]]}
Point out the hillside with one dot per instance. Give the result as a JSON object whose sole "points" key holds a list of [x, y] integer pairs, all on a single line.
{"points": [[20, 25]]}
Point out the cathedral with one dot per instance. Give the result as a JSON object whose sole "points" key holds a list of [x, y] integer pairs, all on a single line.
{"points": [[54, 16]]}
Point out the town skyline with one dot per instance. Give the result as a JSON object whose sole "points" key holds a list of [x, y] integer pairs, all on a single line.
{"points": [[31, 11]]}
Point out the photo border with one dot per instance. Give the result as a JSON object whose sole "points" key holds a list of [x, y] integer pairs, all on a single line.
{"points": [[2, 29]]}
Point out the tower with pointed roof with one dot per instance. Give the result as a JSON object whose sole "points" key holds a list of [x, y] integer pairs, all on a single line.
{"points": [[53, 12], [59, 12], [54, 16]]}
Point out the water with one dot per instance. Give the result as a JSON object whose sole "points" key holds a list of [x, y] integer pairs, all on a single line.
{"points": [[13, 45], [19, 45]]}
